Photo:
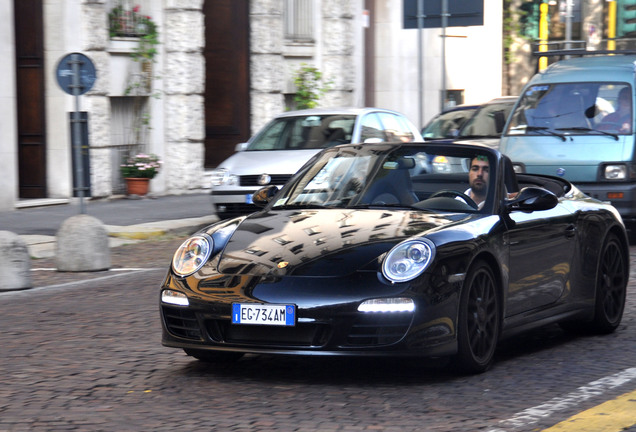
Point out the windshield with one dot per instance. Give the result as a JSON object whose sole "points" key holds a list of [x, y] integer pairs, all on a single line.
{"points": [[488, 121], [446, 178], [447, 124], [573, 108], [304, 132]]}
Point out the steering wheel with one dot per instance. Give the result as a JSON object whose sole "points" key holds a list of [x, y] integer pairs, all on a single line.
{"points": [[454, 194]]}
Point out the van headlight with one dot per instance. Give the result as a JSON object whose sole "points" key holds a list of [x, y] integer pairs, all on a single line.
{"points": [[408, 260], [615, 172]]}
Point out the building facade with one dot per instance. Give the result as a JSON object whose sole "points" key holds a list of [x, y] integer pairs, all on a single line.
{"points": [[221, 70]]}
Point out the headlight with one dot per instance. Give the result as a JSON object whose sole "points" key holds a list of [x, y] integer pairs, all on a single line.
{"points": [[192, 254], [615, 172], [408, 260], [219, 176], [222, 176], [174, 298], [399, 304]]}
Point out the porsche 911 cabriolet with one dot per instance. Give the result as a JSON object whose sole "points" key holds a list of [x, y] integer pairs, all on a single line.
{"points": [[398, 249]]}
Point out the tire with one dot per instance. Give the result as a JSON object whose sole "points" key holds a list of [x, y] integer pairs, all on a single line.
{"points": [[213, 356], [479, 321], [611, 286]]}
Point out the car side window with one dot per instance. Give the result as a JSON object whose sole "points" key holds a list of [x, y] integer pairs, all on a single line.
{"points": [[371, 128], [394, 129]]}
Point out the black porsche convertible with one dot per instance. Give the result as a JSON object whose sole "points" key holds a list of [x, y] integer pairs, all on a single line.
{"points": [[398, 249]]}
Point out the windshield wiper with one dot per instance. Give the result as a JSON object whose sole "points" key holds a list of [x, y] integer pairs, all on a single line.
{"points": [[467, 137], [383, 205], [300, 206], [545, 129], [585, 129]]}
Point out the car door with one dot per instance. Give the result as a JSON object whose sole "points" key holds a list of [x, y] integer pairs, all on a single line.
{"points": [[541, 245]]}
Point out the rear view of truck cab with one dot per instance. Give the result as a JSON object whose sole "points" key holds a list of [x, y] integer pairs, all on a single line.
{"points": [[576, 120]]}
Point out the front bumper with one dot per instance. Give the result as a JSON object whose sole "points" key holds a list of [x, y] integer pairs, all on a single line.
{"points": [[326, 325], [231, 203]]}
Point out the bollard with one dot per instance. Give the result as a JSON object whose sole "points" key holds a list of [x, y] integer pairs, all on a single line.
{"points": [[15, 262], [82, 245]]}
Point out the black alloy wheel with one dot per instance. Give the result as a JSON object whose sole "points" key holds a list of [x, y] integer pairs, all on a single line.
{"points": [[479, 320], [611, 286]]}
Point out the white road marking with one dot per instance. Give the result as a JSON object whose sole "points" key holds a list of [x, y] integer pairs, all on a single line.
{"points": [[533, 415], [62, 286]]}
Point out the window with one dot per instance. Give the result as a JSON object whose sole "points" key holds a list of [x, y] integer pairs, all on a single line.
{"points": [[299, 17], [372, 129], [573, 108]]}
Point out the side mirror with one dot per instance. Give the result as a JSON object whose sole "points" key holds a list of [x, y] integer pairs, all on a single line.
{"points": [[531, 199], [240, 147], [264, 195]]}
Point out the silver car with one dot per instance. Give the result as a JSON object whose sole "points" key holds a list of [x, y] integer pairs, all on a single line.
{"points": [[280, 148]]}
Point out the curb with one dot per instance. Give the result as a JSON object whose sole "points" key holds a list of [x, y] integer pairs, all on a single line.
{"points": [[41, 246]]}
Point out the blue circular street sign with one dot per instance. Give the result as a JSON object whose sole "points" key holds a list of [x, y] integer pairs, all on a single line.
{"points": [[69, 66]]}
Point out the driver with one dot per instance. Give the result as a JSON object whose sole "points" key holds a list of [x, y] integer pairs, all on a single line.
{"points": [[478, 179]]}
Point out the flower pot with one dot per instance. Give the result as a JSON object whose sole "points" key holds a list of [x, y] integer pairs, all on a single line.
{"points": [[137, 186]]}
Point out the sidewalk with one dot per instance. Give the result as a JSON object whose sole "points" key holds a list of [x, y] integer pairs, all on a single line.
{"points": [[126, 220]]}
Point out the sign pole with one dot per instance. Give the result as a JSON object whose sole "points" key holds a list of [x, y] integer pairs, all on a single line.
{"points": [[76, 75], [420, 68], [445, 16], [77, 132]]}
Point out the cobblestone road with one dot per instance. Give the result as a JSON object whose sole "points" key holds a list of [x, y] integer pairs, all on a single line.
{"points": [[84, 354]]}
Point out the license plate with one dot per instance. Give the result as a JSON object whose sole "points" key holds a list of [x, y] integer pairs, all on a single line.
{"points": [[248, 199], [280, 315]]}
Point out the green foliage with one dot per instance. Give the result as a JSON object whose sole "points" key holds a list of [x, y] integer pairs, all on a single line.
{"points": [[309, 86], [130, 23], [147, 47], [141, 166], [512, 19]]}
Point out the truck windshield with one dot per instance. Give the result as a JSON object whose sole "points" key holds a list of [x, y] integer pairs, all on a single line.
{"points": [[574, 108]]}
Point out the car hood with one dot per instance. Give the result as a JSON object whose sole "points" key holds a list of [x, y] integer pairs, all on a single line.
{"points": [[267, 162], [324, 243]]}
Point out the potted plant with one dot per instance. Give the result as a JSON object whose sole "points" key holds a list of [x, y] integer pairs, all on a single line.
{"points": [[132, 24], [137, 171]]}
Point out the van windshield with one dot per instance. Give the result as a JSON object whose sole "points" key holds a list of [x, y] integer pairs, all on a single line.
{"points": [[573, 108]]}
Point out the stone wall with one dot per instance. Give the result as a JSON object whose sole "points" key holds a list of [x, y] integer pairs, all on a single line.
{"points": [[332, 53], [178, 117], [184, 85]]}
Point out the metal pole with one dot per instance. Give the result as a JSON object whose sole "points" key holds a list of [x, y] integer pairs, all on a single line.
{"points": [[543, 34], [568, 24], [77, 132], [611, 25], [420, 69], [445, 15]]}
